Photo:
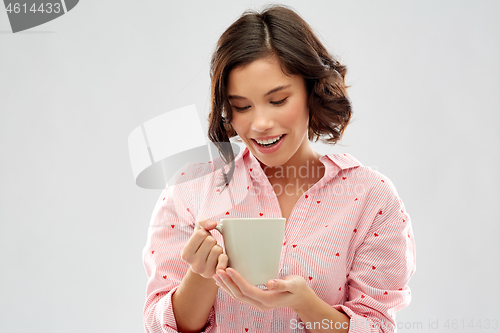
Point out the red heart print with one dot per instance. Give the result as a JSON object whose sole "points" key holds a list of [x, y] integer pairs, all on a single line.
{"points": [[356, 199], [163, 199], [251, 169], [307, 196], [318, 201], [152, 252], [340, 288], [386, 293], [401, 210], [355, 230], [382, 181], [248, 187], [227, 213], [408, 236], [362, 296], [165, 277], [326, 226], [261, 214], [337, 254], [217, 190], [310, 278], [294, 246], [157, 294], [404, 220], [345, 155], [400, 289], [172, 225], [375, 234], [344, 178], [187, 209], [209, 161], [246, 329], [380, 213], [284, 243], [373, 267]]}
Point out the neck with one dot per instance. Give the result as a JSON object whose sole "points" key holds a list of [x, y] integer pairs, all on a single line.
{"points": [[303, 166]]}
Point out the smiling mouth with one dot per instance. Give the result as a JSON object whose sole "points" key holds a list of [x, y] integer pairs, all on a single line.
{"points": [[270, 144]]}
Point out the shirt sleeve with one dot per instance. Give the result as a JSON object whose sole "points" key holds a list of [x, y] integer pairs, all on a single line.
{"points": [[382, 267], [172, 224]]}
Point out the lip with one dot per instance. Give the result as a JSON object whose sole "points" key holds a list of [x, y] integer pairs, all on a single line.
{"points": [[266, 137], [269, 150]]}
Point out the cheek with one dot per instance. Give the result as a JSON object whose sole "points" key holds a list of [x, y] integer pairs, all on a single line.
{"points": [[238, 124], [299, 115]]}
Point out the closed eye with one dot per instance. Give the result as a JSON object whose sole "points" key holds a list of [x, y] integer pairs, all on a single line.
{"points": [[279, 102], [241, 109]]}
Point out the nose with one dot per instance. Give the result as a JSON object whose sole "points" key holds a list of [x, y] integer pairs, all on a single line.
{"points": [[262, 120]]}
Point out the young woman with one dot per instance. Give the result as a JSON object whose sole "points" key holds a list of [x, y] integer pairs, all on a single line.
{"points": [[348, 251]]}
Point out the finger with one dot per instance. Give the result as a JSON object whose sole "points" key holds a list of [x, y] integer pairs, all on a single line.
{"points": [[193, 244], [222, 285], [243, 286], [198, 260], [229, 284], [205, 248], [207, 224], [222, 262], [279, 285], [212, 261], [236, 292]]}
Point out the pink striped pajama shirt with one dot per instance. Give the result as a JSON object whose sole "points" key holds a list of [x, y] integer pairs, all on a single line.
{"points": [[348, 235]]}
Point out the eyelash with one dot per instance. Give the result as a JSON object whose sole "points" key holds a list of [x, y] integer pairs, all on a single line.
{"points": [[278, 103]]}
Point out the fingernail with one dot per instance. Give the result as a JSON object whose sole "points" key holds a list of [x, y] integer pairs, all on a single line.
{"points": [[229, 272], [273, 284]]}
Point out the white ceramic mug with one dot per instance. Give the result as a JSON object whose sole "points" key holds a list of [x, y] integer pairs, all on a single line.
{"points": [[253, 246]]}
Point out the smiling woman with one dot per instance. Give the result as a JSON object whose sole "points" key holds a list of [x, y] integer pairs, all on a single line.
{"points": [[279, 49], [348, 250]]}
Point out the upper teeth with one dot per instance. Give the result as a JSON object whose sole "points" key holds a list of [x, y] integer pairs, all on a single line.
{"points": [[266, 142]]}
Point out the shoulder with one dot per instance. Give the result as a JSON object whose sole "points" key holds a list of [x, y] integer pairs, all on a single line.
{"points": [[367, 182]]}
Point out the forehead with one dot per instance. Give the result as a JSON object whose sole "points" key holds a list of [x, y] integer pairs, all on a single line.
{"points": [[259, 76]]}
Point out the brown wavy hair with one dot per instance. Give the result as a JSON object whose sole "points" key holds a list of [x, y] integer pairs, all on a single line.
{"points": [[279, 32]]}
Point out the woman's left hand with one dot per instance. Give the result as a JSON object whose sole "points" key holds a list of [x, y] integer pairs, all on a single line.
{"points": [[291, 292]]}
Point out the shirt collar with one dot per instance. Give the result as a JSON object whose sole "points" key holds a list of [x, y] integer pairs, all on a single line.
{"points": [[334, 163]]}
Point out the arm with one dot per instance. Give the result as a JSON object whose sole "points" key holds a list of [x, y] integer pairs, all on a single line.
{"points": [[314, 310], [380, 272], [170, 231], [194, 298], [192, 302]]}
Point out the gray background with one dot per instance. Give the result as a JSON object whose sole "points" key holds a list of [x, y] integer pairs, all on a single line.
{"points": [[425, 79]]}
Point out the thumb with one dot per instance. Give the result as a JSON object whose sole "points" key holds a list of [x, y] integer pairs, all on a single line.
{"points": [[206, 223], [278, 285]]}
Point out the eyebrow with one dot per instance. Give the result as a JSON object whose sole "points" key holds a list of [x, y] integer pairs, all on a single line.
{"points": [[272, 91]]}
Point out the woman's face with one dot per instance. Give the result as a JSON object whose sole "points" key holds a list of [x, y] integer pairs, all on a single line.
{"points": [[265, 104]]}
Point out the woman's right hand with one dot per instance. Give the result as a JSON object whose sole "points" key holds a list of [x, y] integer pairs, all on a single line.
{"points": [[202, 252]]}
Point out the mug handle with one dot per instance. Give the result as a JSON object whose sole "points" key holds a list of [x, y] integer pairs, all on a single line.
{"points": [[219, 228]]}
